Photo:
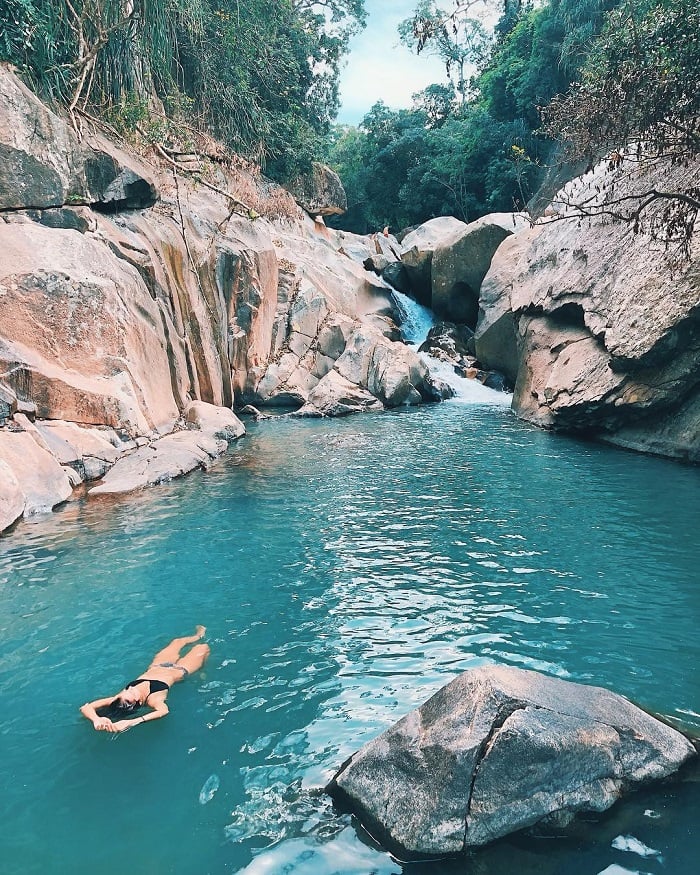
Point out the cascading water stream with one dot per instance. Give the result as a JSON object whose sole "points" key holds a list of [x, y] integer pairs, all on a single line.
{"points": [[416, 322]]}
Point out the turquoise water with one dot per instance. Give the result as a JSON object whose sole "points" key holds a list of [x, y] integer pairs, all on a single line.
{"points": [[345, 571]]}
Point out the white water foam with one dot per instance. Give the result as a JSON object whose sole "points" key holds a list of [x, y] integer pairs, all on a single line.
{"points": [[416, 322], [466, 391]]}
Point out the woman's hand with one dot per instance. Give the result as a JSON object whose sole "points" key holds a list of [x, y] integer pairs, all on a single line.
{"points": [[104, 723], [123, 725]]}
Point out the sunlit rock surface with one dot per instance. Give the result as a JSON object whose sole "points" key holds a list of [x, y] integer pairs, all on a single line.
{"points": [[498, 750], [127, 295], [600, 325]]}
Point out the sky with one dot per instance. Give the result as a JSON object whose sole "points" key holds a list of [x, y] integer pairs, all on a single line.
{"points": [[379, 68]]}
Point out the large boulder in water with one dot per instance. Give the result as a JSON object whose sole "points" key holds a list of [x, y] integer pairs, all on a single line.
{"points": [[392, 372], [449, 342], [459, 266], [418, 249], [601, 324], [501, 749]]}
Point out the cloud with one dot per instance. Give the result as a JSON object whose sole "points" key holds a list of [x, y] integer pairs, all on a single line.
{"points": [[379, 68]]}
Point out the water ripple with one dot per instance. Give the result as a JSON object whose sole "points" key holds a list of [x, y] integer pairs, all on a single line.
{"points": [[346, 571]]}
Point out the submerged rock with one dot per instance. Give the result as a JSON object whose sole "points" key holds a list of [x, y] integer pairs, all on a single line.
{"points": [[501, 749]]}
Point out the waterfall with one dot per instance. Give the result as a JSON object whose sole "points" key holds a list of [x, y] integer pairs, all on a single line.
{"points": [[416, 322]]}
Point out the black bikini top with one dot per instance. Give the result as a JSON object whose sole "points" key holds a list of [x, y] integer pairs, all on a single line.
{"points": [[155, 686]]}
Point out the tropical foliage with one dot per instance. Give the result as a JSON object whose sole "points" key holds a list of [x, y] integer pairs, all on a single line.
{"points": [[260, 75], [477, 147]]}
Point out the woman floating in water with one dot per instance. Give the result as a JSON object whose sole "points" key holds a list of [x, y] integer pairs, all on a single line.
{"points": [[151, 689]]}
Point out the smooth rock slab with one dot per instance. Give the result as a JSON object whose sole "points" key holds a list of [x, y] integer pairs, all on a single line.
{"points": [[39, 476], [498, 750], [170, 457], [12, 498]]}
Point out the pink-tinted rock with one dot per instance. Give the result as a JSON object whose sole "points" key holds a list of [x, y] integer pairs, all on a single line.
{"points": [[12, 499], [220, 422], [160, 462], [41, 479]]}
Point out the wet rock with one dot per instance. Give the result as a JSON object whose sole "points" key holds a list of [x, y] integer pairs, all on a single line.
{"points": [[390, 371], [435, 389], [449, 342], [160, 462], [396, 275], [250, 410], [376, 263], [500, 750], [496, 381]]}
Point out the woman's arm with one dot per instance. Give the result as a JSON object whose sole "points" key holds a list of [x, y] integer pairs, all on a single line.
{"points": [[88, 710], [158, 710]]}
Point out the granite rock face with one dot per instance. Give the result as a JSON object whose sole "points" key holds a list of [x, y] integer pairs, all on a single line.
{"points": [[498, 750], [459, 266], [417, 255], [44, 165], [136, 306], [601, 326], [444, 262]]}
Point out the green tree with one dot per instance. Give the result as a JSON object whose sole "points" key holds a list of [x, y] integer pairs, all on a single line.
{"points": [[638, 96], [460, 42], [263, 76]]}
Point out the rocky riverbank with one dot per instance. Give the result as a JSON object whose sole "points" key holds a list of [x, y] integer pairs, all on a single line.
{"points": [[137, 281], [132, 286]]}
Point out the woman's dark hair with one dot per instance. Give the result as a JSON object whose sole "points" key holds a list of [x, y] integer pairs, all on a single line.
{"points": [[116, 710]]}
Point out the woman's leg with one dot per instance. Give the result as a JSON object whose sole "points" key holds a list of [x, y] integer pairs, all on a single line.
{"points": [[171, 653], [195, 659]]}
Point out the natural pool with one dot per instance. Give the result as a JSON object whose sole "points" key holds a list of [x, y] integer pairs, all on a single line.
{"points": [[345, 570]]}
